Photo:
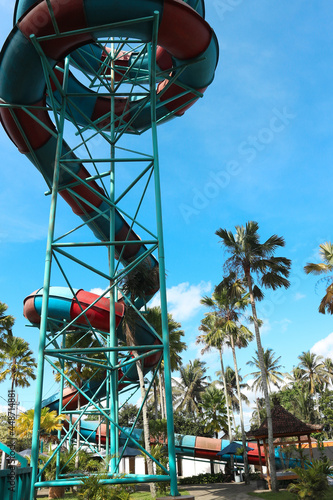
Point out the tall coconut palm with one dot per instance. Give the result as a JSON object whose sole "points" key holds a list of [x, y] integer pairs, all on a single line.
{"points": [[239, 336], [230, 379], [314, 371], [189, 389], [154, 318], [295, 377], [139, 283], [17, 362], [6, 323], [328, 367], [250, 258], [227, 302], [215, 337], [326, 253], [272, 374]]}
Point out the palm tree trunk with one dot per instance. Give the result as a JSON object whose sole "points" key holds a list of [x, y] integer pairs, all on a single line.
{"points": [[155, 400], [246, 461], [225, 395], [272, 467], [78, 433], [146, 431], [161, 395], [258, 410]]}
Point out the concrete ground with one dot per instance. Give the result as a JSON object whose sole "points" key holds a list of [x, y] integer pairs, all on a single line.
{"points": [[219, 491]]}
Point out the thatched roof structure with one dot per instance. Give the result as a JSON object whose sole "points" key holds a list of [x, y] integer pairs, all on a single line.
{"points": [[284, 425]]}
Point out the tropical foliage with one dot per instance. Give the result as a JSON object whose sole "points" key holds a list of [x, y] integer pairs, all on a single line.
{"points": [[273, 376], [50, 422], [189, 389], [214, 410], [325, 267], [256, 264], [17, 362]]}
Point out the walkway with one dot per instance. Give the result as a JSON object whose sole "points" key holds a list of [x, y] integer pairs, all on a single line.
{"points": [[230, 491]]}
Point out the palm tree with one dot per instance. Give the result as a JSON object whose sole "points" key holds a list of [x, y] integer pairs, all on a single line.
{"points": [[230, 378], [136, 286], [326, 253], [189, 390], [154, 318], [214, 410], [78, 372], [251, 258], [6, 323], [272, 374], [16, 361], [50, 421], [328, 367], [215, 337], [314, 371], [240, 336], [228, 300], [296, 376]]}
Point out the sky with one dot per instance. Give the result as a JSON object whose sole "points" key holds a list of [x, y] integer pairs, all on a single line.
{"points": [[258, 147]]}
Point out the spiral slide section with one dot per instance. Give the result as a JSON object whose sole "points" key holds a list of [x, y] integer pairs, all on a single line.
{"points": [[63, 307], [184, 40]]}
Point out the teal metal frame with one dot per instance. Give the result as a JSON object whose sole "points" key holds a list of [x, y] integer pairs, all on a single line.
{"points": [[60, 252]]}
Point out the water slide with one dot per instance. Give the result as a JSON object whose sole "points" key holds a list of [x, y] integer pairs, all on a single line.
{"points": [[183, 37]]}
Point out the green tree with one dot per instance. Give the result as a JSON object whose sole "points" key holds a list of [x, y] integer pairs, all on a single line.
{"points": [[192, 384], [325, 404], [214, 410], [17, 363], [273, 375], [127, 415], [79, 372], [215, 337], [50, 421], [6, 323], [230, 378], [313, 369], [227, 302], [249, 259], [186, 425], [135, 287], [326, 253], [6, 438], [177, 346]]}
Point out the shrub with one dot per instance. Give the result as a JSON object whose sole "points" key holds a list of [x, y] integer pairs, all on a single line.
{"points": [[312, 482], [219, 477]]}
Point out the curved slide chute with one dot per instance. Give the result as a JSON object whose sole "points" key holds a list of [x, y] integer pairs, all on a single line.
{"points": [[186, 60], [64, 307]]}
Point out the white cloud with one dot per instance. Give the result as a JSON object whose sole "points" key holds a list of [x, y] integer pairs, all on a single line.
{"points": [[324, 347], [283, 324], [184, 299], [4, 409], [266, 326], [299, 296]]}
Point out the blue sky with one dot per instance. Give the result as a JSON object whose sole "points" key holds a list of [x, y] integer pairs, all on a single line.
{"points": [[258, 146]]}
